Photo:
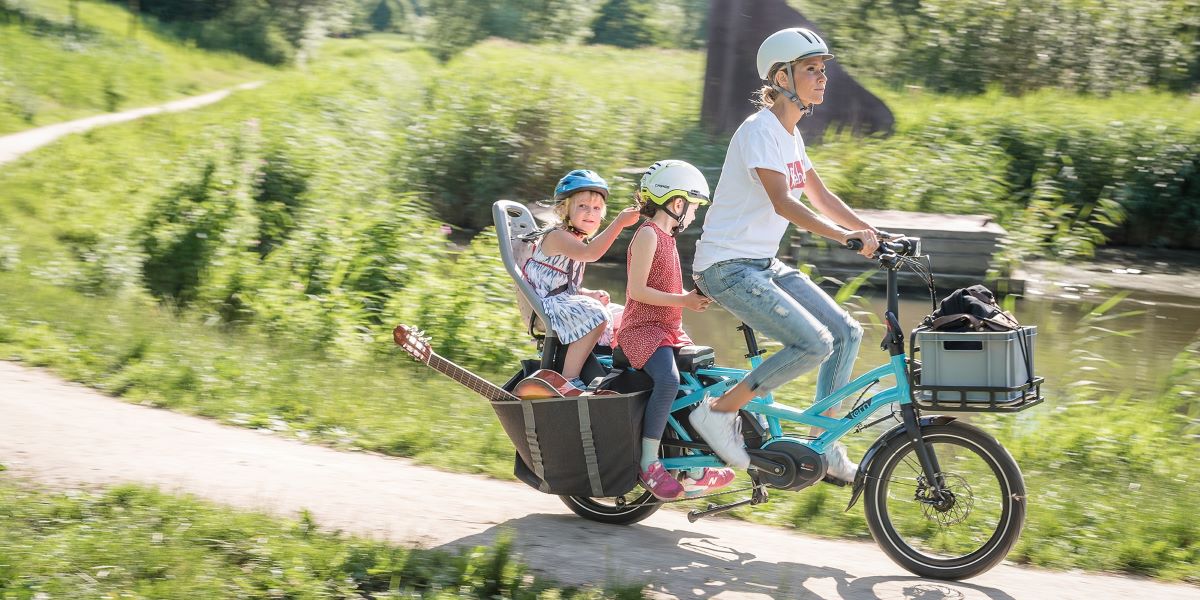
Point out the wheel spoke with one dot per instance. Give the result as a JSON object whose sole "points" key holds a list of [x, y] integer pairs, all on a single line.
{"points": [[949, 526]]}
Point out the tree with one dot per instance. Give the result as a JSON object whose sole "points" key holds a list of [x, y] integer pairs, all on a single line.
{"points": [[624, 23], [457, 24], [381, 18]]}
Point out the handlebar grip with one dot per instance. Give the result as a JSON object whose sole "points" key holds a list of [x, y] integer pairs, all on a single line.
{"points": [[902, 246]]}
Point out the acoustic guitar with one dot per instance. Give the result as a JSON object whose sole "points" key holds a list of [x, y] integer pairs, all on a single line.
{"points": [[542, 384]]}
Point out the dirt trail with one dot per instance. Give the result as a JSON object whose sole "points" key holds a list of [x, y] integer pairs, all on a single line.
{"points": [[14, 145], [65, 435]]}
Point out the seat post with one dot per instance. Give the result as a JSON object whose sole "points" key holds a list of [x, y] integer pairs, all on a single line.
{"points": [[751, 341]]}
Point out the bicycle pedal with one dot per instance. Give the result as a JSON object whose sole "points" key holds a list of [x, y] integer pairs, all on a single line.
{"points": [[834, 481]]}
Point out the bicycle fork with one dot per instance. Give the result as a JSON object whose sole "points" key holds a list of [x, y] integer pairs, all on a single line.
{"points": [[925, 455]]}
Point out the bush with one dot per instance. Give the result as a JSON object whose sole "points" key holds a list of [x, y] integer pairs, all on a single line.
{"points": [[468, 309], [625, 23], [198, 234], [1134, 181], [270, 31], [458, 24], [1022, 45], [514, 134]]}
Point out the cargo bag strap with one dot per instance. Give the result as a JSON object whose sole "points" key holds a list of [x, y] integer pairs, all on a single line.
{"points": [[535, 451], [1023, 340], [589, 448]]}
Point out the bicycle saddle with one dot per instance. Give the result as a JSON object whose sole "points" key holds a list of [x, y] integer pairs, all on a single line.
{"points": [[687, 358]]}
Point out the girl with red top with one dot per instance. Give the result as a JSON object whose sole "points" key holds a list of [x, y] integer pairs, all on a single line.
{"points": [[652, 326]]}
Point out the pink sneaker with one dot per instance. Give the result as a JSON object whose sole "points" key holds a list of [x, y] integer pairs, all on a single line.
{"points": [[712, 479], [662, 484]]}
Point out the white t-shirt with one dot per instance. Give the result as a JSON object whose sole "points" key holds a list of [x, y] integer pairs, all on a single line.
{"points": [[741, 223]]}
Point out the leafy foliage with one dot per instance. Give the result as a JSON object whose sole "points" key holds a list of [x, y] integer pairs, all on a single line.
{"points": [[625, 23], [514, 134], [1020, 45], [458, 24], [204, 223], [270, 31], [470, 311], [1061, 182]]}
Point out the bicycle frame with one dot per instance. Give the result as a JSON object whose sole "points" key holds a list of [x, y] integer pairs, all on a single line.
{"points": [[775, 414]]}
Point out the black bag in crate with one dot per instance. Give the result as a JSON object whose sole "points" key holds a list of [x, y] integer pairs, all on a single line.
{"points": [[973, 309], [576, 446], [970, 309]]}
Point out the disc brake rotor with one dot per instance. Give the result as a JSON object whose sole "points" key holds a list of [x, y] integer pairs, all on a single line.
{"points": [[950, 511]]}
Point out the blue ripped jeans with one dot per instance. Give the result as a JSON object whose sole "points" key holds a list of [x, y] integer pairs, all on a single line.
{"points": [[785, 305]]}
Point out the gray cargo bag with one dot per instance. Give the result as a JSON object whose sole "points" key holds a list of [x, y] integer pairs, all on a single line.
{"points": [[578, 446]]}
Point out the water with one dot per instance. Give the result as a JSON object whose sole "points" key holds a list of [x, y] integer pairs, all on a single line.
{"points": [[1135, 353]]}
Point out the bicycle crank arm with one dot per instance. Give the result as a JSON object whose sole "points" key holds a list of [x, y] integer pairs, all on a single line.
{"points": [[766, 465]]}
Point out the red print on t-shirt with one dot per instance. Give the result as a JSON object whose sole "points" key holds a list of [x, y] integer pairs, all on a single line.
{"points": [[796, 175]]}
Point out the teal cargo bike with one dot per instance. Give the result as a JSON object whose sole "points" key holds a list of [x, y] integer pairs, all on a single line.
{"points": [[943, 498]]}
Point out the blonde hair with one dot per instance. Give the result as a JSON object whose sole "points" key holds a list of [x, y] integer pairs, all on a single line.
{"points": [[562, 210], [765, 97]]}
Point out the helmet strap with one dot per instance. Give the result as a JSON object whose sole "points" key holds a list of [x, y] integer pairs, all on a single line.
{"points": [[678, 218], [805, 109]]}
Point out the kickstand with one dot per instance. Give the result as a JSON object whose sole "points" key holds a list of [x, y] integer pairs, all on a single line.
{"points": [[757, 496]]}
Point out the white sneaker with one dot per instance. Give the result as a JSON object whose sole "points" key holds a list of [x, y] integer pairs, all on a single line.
{"points": [[720, 431], [840, 467]]}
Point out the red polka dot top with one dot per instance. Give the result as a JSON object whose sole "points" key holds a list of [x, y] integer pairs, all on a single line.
{"points": [[646, 327]]}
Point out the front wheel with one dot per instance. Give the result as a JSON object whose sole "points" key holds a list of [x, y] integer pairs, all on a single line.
{"points": [[967, 529]]}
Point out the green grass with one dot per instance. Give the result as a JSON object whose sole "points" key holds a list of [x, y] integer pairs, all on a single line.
{"points": [[132, 541], [50, 73], [390, 405]]}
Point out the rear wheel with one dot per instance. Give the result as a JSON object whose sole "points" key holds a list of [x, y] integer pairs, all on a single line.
{"points": [[638, 503], [969, 528], [622, 510]]}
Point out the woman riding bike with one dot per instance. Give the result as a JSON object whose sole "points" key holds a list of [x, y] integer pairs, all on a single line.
{"points": [[766, 169]]}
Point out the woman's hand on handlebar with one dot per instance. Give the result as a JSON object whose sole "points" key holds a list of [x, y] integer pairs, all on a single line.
{"points": [[867, 238]]}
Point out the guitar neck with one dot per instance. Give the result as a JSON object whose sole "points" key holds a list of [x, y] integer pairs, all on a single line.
{"points": [[468, 379]]}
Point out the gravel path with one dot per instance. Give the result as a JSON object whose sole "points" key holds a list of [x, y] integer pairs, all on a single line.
{"points": [[14, 145]]}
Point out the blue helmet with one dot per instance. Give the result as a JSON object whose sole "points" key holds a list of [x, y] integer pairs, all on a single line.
{"points": [[578, 180]]}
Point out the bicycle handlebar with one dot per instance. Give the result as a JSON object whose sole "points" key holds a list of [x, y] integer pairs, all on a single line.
{"points": [[901, 247]]}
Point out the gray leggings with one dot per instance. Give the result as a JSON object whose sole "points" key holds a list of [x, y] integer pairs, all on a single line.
{"points": [[661, 368]]}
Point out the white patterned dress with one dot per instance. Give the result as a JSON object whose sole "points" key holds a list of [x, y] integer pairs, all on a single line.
{"points": [[556, 280]]}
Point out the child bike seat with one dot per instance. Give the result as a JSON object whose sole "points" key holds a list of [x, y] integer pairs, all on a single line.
{"points": [[687, 358]]}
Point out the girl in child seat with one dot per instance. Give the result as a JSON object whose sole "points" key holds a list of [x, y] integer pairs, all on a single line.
{"points": [[652, 326], [581, 317]]}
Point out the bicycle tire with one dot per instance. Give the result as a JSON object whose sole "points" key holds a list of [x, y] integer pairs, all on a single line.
{"points": [[596, 509], [882, 478]]}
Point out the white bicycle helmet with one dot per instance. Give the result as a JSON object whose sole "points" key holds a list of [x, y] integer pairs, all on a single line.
{"points": [[666, 180], [788, 46]]}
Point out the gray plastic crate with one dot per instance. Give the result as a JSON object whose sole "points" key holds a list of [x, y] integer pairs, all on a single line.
{"points": [[975, 359]]}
